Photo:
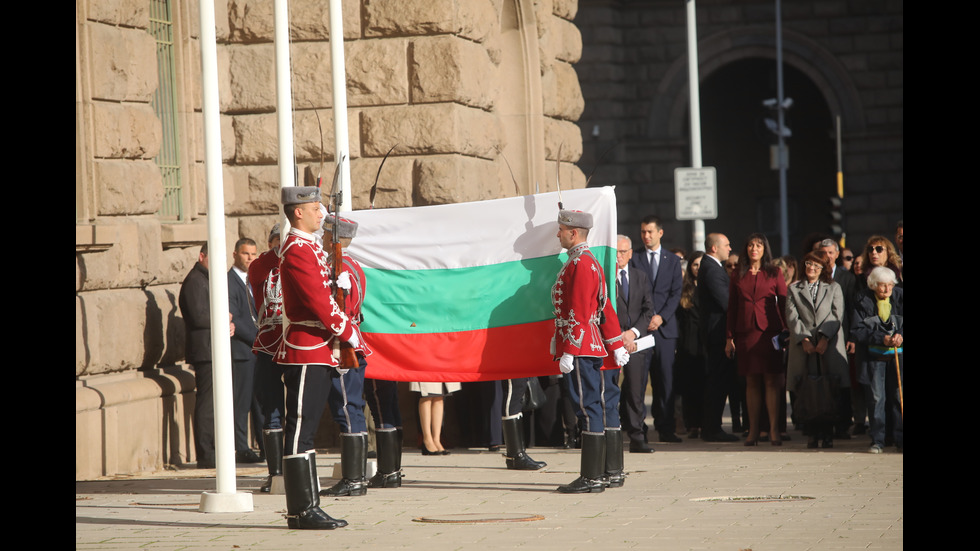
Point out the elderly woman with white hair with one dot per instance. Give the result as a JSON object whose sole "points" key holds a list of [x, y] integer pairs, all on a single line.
{"points": [[878, 330]]}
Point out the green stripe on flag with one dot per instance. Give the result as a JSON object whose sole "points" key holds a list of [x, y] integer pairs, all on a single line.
{"points": [[466, 299]]}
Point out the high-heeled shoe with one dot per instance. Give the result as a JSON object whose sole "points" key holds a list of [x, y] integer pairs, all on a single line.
{"points": [[751, 442], [776, 442], [425, 450]]}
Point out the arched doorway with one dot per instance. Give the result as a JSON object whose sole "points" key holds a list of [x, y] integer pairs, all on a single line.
{"points": [[737, 143]]}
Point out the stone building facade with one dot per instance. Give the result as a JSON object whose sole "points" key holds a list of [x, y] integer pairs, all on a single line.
{"points": [[478, 98], [840, 59]]}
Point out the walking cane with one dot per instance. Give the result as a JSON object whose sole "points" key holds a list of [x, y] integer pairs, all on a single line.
{"points": [[898, 371]]}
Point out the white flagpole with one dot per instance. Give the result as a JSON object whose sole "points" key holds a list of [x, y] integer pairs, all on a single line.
{"points": [[339, 78], [226, 499], [284, 103]]}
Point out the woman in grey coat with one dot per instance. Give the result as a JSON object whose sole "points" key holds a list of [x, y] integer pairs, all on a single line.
{"points": [[814, 314]]}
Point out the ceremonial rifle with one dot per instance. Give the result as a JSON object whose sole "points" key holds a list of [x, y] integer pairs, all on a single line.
{"points": [[342, 351]]}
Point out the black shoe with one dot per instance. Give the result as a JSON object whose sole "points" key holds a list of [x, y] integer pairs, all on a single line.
{"points": [[670, 438], [494, 447], [523, 462], [811, 443], [247, 456], [720, 436], [615, 480], [314, 519], [205, 463], [346, 487], [640, 447], [582, 485], [828, 442], [425, 451], [389, 480]]}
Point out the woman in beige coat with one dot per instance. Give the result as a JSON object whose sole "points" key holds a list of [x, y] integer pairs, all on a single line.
{"points": [[814, 314]]}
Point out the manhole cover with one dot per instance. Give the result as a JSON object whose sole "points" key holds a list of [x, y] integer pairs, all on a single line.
{"points": [[476, 518], [753, 499]]}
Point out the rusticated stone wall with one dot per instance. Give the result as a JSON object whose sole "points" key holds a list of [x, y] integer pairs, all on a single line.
{"points": [[469, 91]]}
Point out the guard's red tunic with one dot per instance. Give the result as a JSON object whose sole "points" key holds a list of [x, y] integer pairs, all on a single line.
{"points": [[585, 322], [312, 316]]}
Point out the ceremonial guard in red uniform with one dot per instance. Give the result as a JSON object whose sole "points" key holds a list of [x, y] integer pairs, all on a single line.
{"points": [[585, 327], [263, 278], [312, 320]]}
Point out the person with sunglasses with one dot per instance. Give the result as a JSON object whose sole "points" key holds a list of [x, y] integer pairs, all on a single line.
{"points": [[879, 251]]}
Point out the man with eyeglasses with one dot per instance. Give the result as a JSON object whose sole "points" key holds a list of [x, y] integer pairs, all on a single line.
{"points": [[634, 307], [853, 398]]}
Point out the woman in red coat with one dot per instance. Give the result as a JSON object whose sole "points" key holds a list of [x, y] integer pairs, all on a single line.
{"points": [[756, 298]]}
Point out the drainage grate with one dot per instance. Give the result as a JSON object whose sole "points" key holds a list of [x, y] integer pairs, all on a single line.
{"points": [[478, 518], [753, 499]]}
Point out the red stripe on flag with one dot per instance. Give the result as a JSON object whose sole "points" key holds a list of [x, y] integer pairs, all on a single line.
{"points": [[493, 354]]}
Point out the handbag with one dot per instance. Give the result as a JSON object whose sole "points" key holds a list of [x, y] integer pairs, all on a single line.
{"points": [[535, 397], [816, 396]]}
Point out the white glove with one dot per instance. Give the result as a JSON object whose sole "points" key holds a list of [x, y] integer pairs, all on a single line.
{"points": [[344, 281], [567, 363], [622, 356], [354, 341], [342, 371]]}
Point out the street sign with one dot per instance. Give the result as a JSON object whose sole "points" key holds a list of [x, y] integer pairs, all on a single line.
{"points": [[695, 193]]}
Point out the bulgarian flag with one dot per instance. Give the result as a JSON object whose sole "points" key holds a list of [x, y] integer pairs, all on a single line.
{"points": [[462, 292]]}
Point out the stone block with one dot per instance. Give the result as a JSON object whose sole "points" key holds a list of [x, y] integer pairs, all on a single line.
{"points": [[311, 77], [251, 79], [133, 261], [562, 96], [118, 64], [377, 72], [568, 40], [565, 9], [128, 187], [571, 178], [125, 131], [310, 20], [306, 136], [256, 139], [113, 324], [448, 68], [395, 183], [563, 134], [409, 17], [127, 13], [430, 129], [443, 179], [250, 21], [263, 191]]}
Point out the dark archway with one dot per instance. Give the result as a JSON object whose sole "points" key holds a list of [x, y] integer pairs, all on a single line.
{"points": [[736, 142]]}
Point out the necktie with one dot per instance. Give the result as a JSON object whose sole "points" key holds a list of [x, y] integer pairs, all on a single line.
{"points": [[625, 284], [654, 265]]}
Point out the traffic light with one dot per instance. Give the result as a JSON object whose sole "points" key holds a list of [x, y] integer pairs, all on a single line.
{"points": [[837, 218]]}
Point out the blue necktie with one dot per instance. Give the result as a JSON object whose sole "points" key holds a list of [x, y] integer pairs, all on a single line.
{"points": [[625, 284]]}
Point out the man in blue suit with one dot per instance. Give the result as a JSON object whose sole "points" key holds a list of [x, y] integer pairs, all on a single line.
{"points": [[663, 269], [243, 316]]}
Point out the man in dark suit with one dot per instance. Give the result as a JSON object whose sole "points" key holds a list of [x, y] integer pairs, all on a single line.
{"points": [[663, 269], [634, 307], [194, 302], [713, 304], [243, 316]]}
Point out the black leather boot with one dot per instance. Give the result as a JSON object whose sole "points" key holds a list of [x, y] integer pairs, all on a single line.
{"points": [[389, 460], [614, 476], [272, 441], [593, 466], [517, 458], [302, 501], [353, 466]]}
